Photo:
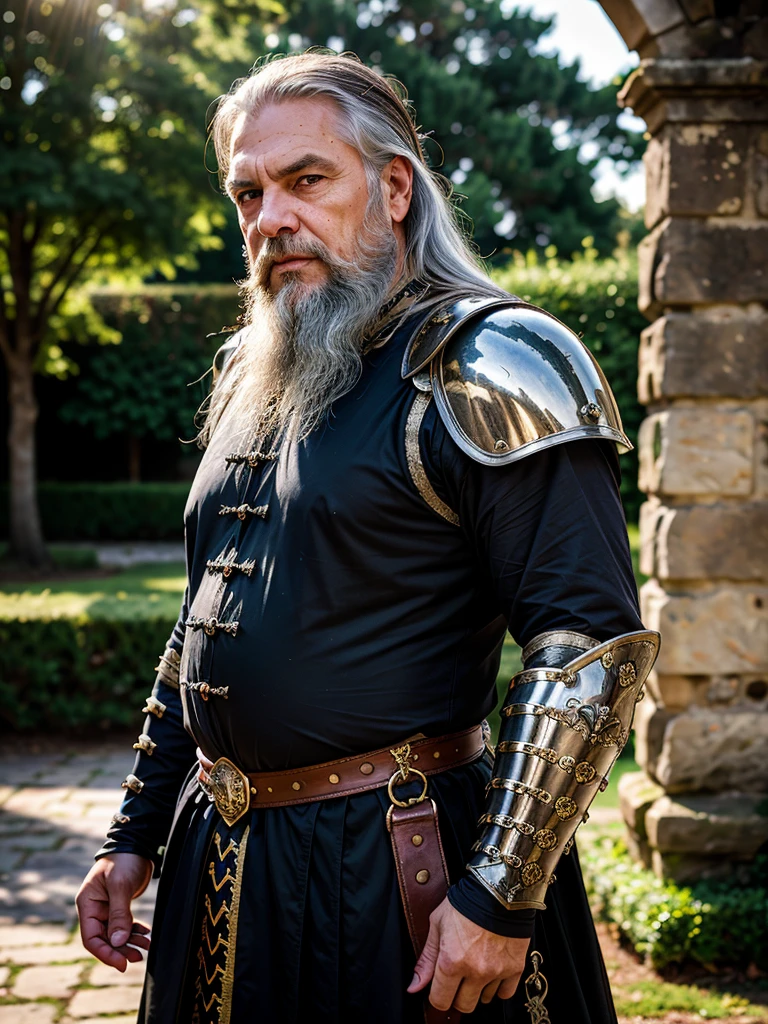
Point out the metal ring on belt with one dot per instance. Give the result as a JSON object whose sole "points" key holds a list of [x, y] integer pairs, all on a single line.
{"points": [[234, 791]]}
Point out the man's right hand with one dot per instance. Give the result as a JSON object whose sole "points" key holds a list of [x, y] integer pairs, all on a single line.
{"points": [[104, 908]]}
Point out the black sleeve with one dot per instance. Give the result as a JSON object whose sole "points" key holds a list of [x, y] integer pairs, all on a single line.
{"points": [[550, 537], [144, 820]]}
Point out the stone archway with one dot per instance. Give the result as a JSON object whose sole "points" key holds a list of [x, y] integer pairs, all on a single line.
{"points": [[702, 732]]}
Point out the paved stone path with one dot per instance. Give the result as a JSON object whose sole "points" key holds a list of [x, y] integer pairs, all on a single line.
{"points": [[122, 554], [55, 806], [56, 801]]}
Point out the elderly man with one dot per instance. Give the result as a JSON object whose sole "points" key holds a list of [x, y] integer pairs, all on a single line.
{"points": [[401, 462]]}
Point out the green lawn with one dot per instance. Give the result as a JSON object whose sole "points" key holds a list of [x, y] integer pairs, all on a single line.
{"points": [[142, 591]]}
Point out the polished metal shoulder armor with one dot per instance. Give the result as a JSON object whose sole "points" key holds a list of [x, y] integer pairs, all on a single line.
{"points": [[510, 379], [562, 727], [225, 352]]}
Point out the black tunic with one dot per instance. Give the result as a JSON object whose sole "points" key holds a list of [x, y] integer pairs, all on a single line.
{"points": [[367, 618]]}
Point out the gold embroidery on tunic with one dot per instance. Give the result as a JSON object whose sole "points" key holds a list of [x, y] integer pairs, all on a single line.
{"points": [[228, 980], [416, 466], [216, 953]]}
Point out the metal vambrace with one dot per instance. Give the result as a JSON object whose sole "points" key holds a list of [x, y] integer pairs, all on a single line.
{"points": [[563, 725]]}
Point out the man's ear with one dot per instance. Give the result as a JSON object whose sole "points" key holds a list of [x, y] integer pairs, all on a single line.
{"points": [[398, 187]]}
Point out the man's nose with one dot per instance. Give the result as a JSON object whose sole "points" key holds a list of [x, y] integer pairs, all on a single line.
{"points": [[277, 215]]}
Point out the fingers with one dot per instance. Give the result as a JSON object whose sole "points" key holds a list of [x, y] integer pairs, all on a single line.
{"points": [[490, 990], [470, 990], [107, 928], [425, 966], [508, 987], [445, 985], [120, 921]]}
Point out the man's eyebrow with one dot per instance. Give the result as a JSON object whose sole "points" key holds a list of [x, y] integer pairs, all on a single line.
{"points": [[307, 160]]}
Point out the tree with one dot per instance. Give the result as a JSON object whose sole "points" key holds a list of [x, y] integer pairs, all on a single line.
{"points": [[151, 384], [101, 172]]}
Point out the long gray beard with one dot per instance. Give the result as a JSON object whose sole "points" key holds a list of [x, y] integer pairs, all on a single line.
{"points": [[302, 347]]}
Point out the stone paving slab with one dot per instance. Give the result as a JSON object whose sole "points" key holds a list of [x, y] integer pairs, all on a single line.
{"points": [[55, 808]]}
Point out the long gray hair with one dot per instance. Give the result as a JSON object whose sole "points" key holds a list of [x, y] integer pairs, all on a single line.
{"points": [[376, 121]]}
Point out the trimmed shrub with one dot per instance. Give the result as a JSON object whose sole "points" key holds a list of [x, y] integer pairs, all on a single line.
{"points": [[708, 923], [596, 298], [118, 511], [77, 674]]}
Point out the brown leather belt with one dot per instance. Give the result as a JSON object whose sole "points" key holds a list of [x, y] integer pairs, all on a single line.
{"points": [[412, 821], [234, 792]]}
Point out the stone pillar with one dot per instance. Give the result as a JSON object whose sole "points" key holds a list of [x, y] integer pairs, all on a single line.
{"points": [[701, 804]]}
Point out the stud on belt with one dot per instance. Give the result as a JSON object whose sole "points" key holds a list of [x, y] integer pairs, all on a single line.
{"points": [[235, 792]]}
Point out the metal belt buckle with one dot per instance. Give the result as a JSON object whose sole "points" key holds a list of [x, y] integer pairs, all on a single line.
{"points": [[402, 756], [231, 790]]}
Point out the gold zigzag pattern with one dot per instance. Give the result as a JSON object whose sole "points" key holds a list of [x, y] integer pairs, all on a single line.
{"points": [[207, 951], [220, 941], [223, 909], [218, 886], [232, 846]]}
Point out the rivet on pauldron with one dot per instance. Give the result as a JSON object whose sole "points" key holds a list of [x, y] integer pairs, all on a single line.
{"points": [[417, 840], [591, 411], [366, 768], [436, 755], [254, 790], [296, 785], [334, 779], [422, 877], [500, 445]]}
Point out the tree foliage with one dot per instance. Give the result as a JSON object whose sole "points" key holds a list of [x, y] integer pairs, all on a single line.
{"points": [[101, 173]]}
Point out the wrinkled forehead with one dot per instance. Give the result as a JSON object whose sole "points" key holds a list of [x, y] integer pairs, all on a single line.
{"points": [[278, 131]]}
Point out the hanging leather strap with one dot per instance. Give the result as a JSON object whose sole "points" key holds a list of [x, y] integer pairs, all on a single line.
{"points": [[422, 877]]}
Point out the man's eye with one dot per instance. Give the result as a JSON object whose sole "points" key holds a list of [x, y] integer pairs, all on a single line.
{"points": [[247, 195], [310, 179]]}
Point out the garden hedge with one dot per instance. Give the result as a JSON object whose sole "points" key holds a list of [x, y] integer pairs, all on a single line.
{"points": [[77, 674], [709, 923], [112, 511]]}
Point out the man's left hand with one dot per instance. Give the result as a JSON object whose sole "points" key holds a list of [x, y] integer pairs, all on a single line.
{"points": [[465, 962]]}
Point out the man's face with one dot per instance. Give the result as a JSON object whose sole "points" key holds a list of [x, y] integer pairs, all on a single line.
{"points": [[292, 177]]}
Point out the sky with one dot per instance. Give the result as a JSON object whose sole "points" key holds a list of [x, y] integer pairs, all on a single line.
{"points": [[583, 30]]}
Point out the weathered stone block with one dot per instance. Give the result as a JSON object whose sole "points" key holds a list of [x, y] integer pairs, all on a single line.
{"points": [[723, 631], [637, 792], [649, 724], [697, 170], [685, 868], [702, 450], [636, 21], [718, 352], [715, 749], [725, 825], [761, 174], [651, 513], [760, 412], [674, 693], [705, 541], [688, 262]]}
